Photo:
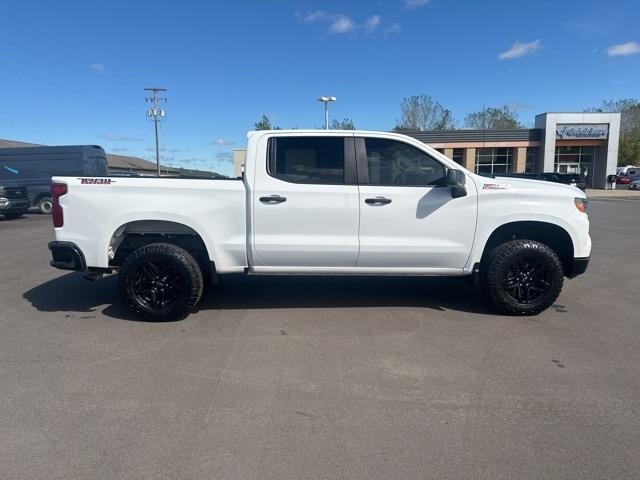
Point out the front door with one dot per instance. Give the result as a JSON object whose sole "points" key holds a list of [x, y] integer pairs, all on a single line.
{"points": [[305, 203], [408, 218]]}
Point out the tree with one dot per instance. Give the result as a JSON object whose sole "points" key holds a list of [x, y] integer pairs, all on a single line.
{"points": [[265, 124], [421, 112], [344, 124], [629, 108], [492, 118]]}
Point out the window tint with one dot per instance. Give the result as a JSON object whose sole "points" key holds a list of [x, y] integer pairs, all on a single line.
{"points": [[43, 167], [307, 159], [396, 163]]}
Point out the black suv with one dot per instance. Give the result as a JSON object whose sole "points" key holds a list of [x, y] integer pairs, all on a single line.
{"points": [[573, 179], [14, 201]]}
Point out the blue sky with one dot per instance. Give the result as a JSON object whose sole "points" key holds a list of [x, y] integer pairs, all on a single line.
{"points": [[72, 72]]}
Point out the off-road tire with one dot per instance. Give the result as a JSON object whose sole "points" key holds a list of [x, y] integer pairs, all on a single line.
{"points": [[175, 271], [45, 205], [497, 273]]}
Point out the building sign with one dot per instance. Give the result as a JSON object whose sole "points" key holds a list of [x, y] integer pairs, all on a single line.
{"points": [[580, 131]]}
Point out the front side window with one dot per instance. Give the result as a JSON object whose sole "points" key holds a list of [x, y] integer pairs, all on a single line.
{"points": [[395, 163], [318, 160]]}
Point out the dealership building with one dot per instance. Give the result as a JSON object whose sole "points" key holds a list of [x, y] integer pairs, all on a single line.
{"points": [[583, 143]]}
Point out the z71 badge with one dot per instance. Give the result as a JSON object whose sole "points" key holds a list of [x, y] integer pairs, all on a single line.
{"points": [[96, 181]]}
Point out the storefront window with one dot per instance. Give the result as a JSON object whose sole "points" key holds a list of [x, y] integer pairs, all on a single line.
{"points": [[494, 160], [574, 159], [532, 159], [458, 155]]}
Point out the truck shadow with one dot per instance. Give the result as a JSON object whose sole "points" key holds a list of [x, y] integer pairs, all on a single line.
{"points": [[71, 293]]}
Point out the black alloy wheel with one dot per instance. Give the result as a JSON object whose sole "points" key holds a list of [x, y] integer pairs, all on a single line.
{"points": [[527, 279], [160, 282], [158, 285], [521, 277]]}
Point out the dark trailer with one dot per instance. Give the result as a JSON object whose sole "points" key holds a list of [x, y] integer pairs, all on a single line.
{"points": [[33, 167]]}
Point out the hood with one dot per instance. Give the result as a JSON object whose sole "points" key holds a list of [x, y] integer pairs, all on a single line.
{"points": [[526, 185]]}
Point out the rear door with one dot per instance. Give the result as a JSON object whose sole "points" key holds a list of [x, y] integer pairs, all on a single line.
{"points": [[408, 218], [305, 203]]}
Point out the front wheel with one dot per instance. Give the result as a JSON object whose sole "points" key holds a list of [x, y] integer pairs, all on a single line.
{"points": [[160, 282], [13, 215], [522, 277]]}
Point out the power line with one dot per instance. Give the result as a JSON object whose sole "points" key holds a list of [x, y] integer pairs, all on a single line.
{"points": [[157, 115], [28, 29], [49, 81]]}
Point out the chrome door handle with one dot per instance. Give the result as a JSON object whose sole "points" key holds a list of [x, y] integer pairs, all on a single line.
{"points": [[378, 201], [273, 199]]}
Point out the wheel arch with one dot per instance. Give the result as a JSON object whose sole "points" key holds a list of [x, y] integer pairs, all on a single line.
{"points": [[134, 234], [551, 234]]}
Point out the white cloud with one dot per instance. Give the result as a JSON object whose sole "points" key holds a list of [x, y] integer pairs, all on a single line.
{"points": [[120, 149], [97, 67], [316, 16], [338, 23], [371, 23], [415, 3], [222, 141], [519, 106], [518, 50], [342, 24], [623, 49], [224, 157], [112, 137], [393, 29]]}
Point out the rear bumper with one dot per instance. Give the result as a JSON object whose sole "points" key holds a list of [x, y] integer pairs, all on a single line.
{"points": [[67, 256], [579, 267]]}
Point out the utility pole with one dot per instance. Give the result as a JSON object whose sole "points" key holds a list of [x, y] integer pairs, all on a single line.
{"points": [[157, 115]]}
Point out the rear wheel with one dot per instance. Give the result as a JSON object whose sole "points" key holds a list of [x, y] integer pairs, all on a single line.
{"points": [[160, 282], [522, 277], [45, 205]]}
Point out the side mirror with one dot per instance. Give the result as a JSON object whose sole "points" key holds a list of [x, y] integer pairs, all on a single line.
{"points": [[456, 179]]}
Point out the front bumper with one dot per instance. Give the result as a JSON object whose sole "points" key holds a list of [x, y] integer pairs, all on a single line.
{"points": [[579, 267], [67, 256], [13, 206]]}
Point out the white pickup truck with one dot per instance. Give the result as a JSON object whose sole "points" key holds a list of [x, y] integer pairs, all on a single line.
{"points": [[323, 203]]}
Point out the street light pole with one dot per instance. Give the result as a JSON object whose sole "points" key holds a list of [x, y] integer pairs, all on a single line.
{"points": [[326, 101]]}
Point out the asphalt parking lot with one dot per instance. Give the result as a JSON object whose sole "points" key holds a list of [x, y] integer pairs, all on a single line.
{"points": [[321, 377]]}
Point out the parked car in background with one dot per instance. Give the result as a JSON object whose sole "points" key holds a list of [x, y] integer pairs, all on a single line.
{"points": [[625, 170], [33, 167], [635, 185], [323, 203], [572, 179], [14, 201], [623, 180]]}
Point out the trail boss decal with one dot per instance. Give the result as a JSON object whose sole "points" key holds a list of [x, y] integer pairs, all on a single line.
{"points": [[496, 186], [96, 181]]}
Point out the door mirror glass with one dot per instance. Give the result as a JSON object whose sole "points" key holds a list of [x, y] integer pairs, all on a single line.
{"points": [[455, 178]]}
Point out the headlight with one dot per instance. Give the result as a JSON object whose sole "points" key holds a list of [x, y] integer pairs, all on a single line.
{"points": [[581, 204], [4, 202]]}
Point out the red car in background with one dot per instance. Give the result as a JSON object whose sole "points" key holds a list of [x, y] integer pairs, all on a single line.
{"points": [[623, 180]]}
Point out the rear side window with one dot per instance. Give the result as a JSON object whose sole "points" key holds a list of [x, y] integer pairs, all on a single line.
{"points": [[319, 160]]}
